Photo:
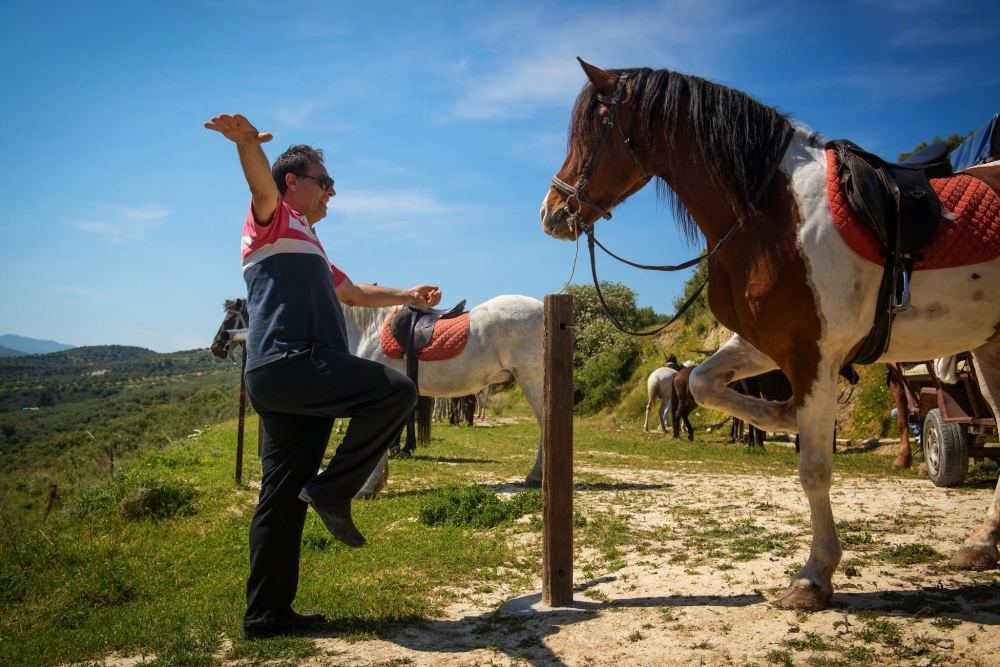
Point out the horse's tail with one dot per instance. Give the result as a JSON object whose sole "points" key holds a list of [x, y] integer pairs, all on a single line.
{"points": [[425, 410]]}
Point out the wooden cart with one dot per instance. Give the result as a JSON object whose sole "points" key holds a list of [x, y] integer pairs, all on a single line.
{"points": [[954, 419]]}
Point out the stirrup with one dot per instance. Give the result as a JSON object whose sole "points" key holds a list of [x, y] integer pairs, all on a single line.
{"points": [[904, 303]]}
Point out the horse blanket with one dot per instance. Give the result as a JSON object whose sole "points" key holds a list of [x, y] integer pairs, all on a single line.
{"points": [[448, 341], [972, 237]]}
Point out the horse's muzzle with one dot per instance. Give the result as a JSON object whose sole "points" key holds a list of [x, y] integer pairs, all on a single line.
{"points": [[555, 223]]}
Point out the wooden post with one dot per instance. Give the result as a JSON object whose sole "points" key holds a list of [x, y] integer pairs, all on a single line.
{"points": [[557, 452], [243, 410]]}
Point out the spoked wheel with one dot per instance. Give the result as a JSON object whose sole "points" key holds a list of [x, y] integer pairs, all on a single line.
{"points": [[946, 451]]}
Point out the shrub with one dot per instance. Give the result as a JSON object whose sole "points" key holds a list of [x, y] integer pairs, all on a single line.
{"points": [[136, 494], [475, 506]]}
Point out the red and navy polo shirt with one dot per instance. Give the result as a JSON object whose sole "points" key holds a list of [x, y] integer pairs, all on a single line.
{"points": [[291, 295]]}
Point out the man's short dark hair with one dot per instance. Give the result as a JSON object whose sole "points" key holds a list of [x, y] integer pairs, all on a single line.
{"points": [[294, 161]]}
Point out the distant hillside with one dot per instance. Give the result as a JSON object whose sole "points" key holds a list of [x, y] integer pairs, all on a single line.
{"points": [[7, 352], [86, 397], [31, 345]]}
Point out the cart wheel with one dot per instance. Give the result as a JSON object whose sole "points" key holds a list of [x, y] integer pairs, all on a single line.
{"points": [[946, 451]]}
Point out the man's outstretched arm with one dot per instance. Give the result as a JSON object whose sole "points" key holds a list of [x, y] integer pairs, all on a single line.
{"points": [[238, 129], [373, 296]]}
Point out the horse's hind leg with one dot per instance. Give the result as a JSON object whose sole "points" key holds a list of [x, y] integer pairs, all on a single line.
{"points": [[980, 549], [532, 388], [904, 457], [664, 410], [687, 425]]}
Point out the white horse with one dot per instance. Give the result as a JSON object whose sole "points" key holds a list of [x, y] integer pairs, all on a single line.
{"points": [[658, 386], [505, 342]]}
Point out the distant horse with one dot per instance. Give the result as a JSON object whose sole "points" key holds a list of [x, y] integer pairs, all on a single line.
{"points": [[682, 402], [463, 408], [482, 399], [505, 342], [658, 386], [795, 291]]}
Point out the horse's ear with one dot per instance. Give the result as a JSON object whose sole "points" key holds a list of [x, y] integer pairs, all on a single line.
{"points": [[604, 82]]}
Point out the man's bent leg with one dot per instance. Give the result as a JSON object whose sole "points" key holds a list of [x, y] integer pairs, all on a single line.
{"points": [[376, 424], [324, 383], [292, 452]]}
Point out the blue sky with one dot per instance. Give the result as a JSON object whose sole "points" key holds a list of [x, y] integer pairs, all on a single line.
{"points": [[442, 124]]}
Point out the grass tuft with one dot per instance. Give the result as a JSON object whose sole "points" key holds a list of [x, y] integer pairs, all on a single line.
{"points": [[475, 506], [136, 494]]}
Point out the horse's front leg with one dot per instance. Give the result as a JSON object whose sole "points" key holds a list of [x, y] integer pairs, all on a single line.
{"points": [[735, 360], [812, 586]]}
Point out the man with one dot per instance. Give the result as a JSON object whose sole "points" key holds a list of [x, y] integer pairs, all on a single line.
{"points": [[300, 374]]}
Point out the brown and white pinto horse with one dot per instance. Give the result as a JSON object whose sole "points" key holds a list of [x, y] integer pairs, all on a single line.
{"points": [[791, 288]]}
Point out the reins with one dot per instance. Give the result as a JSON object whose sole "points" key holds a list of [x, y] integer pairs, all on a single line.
{"points": [[579, 194]]}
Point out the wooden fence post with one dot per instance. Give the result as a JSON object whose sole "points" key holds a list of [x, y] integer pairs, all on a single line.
{"points": [[557, 452]]}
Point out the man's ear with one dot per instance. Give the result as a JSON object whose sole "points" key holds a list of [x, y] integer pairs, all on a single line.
{"points": [[604, 82], [290, 181]]}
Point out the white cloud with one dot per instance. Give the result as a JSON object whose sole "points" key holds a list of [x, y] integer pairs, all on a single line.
{"points": [[536, 62], [126, 224]]}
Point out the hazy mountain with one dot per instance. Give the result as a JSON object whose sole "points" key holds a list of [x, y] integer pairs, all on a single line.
{"points": [[7, 352], [25, 345]]}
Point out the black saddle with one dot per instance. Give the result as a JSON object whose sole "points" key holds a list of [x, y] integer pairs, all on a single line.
{"points": [[898, 203], [896, 200], [413, 327]]}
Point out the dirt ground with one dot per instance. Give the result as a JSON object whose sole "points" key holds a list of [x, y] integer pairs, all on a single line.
{"points": [[679, 596]]}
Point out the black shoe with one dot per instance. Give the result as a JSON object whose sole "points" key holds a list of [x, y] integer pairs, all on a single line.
{"points": [[298, 623], [338, 522]]}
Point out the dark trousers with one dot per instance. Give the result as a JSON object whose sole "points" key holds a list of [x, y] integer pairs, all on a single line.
{"points": [[297, 398]]}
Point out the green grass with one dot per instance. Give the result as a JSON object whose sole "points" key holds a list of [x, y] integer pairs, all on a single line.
{"points": [[168, 581]]}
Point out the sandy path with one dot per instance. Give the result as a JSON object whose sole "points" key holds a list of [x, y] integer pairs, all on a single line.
{"points": [[677, 594]]}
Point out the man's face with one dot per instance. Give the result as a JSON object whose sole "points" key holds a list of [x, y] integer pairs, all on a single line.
{"points": [[305, 194]]}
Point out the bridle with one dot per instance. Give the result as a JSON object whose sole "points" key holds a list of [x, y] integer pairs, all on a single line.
{"points": [[579, 193]]}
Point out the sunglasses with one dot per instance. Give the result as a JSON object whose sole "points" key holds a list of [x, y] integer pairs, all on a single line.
{"points": [[324, 182]]}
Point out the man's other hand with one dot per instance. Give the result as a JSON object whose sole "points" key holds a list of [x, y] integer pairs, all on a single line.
{"points": [[238, 129], [425, 296]]}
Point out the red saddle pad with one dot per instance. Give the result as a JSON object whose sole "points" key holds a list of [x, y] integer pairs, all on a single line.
{"points": [[447, 342], [972, 238]]}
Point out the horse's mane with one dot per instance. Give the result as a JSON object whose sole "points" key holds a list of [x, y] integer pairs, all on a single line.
{"points": [[364, 322], [735, 135]]}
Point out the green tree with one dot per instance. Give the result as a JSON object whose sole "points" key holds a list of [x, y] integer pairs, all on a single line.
{"points": [[954, 141], [604, 357]]}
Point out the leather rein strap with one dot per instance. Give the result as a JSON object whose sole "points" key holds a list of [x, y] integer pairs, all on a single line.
{"points": [[579, 194]]}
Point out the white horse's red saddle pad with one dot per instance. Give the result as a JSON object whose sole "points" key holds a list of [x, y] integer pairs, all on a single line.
{"points": [[972, 238], [449, 339]]}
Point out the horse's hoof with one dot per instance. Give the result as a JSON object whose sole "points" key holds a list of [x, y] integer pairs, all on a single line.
{"points": [[404, 454], [531, 482], [902, 463], [972, 558], [808, 597]]}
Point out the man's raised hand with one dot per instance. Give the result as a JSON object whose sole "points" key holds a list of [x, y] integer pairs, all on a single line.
{"points": [[238, 129]]}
